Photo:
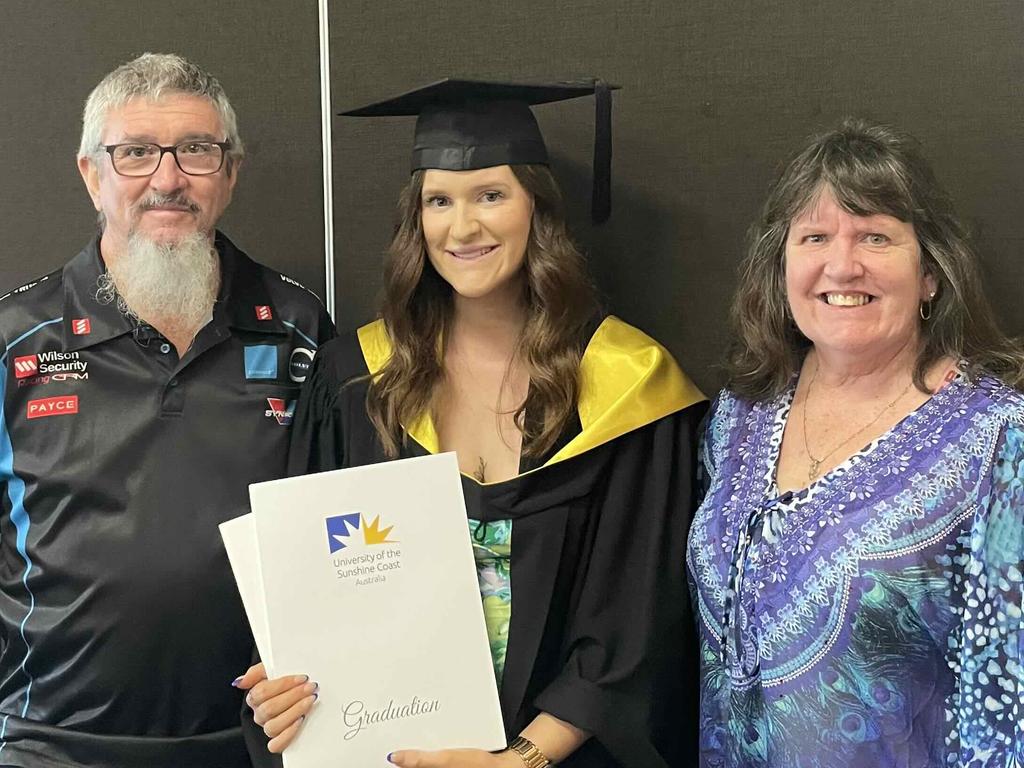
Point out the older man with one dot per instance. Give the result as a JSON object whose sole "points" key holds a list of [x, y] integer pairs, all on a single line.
{"points": [[148, 382]]}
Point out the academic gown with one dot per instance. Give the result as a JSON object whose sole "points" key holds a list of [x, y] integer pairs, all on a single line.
{"points": [[600, 633]]}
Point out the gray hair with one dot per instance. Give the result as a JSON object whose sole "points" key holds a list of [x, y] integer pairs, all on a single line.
{"points": [[870, 169], [150, 76]]}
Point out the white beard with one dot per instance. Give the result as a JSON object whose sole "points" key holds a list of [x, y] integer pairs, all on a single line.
{"points": [[169, 284]]}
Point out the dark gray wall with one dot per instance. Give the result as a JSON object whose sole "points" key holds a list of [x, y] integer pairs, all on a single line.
{"points": [[715, 96], [267, 58]]}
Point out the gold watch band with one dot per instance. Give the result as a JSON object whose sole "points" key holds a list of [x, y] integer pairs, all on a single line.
{"points": [[528, 753]]}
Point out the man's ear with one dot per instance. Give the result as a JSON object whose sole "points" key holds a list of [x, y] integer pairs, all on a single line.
{"points": [[91, 176], [232, 171]]}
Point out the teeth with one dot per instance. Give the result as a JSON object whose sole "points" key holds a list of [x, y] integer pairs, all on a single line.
{"points": [[847, 299], [473, 254]]}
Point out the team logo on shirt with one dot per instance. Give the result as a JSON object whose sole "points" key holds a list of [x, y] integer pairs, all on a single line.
{"points": [[261, 361], [280, 410], [52, 406], [25, 287], [26, 366], [292, 281], [299, 364], [81, 326], [263, 312], [53, 378], [341, 530], [45, 367]]}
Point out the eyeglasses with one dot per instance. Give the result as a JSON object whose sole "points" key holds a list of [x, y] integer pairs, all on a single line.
{"points": [[196, 158]]}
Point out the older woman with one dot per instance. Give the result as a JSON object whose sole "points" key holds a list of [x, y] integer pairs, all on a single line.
{"points": [[856, 562]]}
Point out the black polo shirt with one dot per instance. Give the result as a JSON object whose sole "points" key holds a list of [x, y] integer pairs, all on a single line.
{"points": [[122, 627]]}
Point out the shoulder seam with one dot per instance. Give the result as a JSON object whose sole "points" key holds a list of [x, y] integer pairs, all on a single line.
{"points": [[30, 285]]}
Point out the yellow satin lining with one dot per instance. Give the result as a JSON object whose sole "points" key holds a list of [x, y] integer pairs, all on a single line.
{"points": [[627, 380], [376, 347]]}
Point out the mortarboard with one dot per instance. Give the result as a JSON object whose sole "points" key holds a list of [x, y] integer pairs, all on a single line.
{"points": [[465, 125]]}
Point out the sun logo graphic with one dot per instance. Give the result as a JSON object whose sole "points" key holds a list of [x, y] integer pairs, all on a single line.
{"points": [[341, 530]]}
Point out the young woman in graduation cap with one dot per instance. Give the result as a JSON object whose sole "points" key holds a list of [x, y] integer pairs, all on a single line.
{"points": [[574, 432]]}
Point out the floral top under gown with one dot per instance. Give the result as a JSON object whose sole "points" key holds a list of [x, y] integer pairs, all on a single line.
{"points": [[873, 619]]}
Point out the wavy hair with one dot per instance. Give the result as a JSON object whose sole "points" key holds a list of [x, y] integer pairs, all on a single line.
{"points": [[870, 169], [417, 309]]}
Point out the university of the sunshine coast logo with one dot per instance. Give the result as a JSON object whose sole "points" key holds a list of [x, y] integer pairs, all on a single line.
{"points": [[363, 549], [341, 527]]}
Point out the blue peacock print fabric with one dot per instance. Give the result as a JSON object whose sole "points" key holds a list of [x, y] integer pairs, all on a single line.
{"points": [[874, 618]]}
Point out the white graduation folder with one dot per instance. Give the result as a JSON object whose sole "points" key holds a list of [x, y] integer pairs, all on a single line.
{"points": [[369, 587]]}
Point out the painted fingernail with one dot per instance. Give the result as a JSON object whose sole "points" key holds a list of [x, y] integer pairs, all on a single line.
{"points": [[302, 718], [236, 681], [389, 757], [315, 697]]}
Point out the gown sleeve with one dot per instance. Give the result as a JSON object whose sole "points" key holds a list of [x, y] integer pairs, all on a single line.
{"points": [[988, 706], [631, 659], [317, 437]]}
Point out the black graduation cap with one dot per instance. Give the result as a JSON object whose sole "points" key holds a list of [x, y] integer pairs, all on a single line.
{"points": [[466, 125]]}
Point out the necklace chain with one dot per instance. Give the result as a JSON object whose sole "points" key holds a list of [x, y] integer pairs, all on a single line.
{"points": [[814, 465]]}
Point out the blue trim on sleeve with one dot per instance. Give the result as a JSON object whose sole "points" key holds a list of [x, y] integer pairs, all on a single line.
{"points": [[26, 334], [304, 336], [19, 516]]}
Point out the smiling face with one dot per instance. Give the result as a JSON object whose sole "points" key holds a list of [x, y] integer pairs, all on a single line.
{"points": [[476, 225], [168, 205], [854, 283]]}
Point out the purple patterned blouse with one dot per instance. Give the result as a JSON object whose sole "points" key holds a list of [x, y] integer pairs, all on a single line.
{"points": [[873, 619]]}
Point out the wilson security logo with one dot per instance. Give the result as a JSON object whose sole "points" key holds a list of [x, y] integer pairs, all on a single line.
{"points": [[47, 367], [26, 366], [363, 550], [49, 362]]}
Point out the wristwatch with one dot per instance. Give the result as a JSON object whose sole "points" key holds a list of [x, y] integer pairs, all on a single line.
{"points": [[528, 753]]}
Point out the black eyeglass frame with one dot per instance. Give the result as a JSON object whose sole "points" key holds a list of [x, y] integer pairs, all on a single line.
{"points": [[173, 150]]}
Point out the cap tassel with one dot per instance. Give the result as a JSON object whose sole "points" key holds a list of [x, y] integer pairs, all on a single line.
{"points": [[601, 205]]}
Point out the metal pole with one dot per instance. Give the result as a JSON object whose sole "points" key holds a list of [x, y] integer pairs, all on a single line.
{"points": [[325, 131]]}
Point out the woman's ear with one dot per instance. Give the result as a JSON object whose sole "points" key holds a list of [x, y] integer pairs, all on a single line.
{"points": [[930, 285]]}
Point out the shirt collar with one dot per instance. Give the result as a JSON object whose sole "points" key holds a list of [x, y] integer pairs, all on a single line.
{"points": [[244, 303], [86, 321]]}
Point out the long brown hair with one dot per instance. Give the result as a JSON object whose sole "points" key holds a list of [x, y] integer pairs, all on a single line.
{"points": [[417, 309], [870, 169]]}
